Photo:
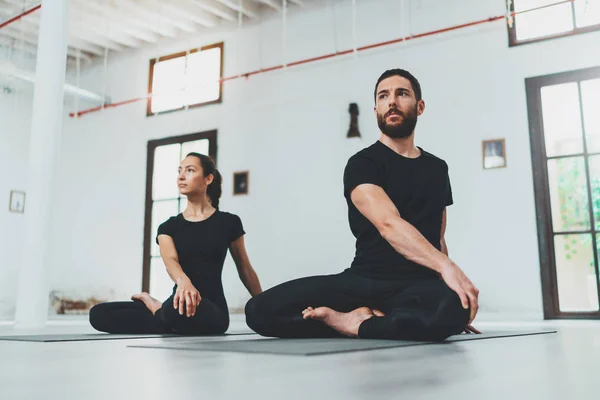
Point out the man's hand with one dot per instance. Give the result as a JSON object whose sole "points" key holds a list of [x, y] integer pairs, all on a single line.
{"points": [[186, 298], [467, 292]]}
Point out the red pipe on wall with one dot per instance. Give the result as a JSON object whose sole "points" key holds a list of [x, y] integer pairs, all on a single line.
{"points": [[13, 19], [339, 53]]}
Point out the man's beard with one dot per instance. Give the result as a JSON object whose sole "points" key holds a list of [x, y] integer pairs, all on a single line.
{"points": [[398, 131]]}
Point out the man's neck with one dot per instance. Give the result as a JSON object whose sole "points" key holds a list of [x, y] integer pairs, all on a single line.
{"points": [[403, 146]]}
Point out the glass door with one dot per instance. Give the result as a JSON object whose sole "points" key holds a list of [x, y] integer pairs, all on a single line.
{"points": [[163, 200], [564, 111]]}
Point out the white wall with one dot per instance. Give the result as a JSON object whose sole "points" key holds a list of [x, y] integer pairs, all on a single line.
{"points": [[288, 128], [15, 112]]}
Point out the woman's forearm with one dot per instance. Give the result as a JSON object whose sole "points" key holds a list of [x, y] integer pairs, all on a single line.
{"points": [[250, 280], [175, 271]]}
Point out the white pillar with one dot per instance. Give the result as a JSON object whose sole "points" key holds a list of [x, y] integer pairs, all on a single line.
{"points": [[46, 129]]}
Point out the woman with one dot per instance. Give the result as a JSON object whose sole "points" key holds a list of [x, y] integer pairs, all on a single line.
{"points": [[193, 246]]}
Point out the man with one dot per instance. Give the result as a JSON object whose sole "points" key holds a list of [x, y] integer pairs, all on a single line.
{"points": [[401, 284]]}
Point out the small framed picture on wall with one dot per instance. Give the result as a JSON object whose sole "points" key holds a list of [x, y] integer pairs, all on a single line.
{"points": [[494, 153], [17, 202], [240, 183]]}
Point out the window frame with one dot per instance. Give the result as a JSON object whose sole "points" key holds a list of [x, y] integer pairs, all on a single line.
{"points": [[512, 31], [153, 61]]}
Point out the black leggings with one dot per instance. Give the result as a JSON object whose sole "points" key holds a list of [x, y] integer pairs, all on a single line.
{"points": [[134, 317], [423, 308]]}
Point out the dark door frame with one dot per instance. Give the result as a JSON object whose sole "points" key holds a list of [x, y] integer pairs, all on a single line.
{"points": [[541, 190], [152, 145]]}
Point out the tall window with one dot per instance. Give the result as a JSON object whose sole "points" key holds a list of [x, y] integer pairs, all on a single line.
{"points": [[163, 200], [538, 20], [565, 144], [186, 79]]}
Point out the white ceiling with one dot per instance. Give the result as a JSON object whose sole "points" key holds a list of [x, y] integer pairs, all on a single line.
{"points": [[119, 25]]}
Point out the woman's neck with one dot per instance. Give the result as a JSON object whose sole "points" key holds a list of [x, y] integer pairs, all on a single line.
{"points": [[198, 207]]}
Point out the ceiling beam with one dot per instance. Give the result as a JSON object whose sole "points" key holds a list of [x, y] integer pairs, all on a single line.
{"points": [[110, 9], [31, 27], [274, 4], [154, 12], [109, 31], [182, 10], [248, 8], [115, 20], [86, 36], [98, 40], [10, 32], [217, 9], [85, 46]]}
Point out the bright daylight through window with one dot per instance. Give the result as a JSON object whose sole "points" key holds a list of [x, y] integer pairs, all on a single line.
{"points": [[186, 80], [541, 19]]}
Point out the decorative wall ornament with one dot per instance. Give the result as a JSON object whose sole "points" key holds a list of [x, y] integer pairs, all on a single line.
{"points": [[353, 130], [240, 183], [17, 202], [494, 153]]}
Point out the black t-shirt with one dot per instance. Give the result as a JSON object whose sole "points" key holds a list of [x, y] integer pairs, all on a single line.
{"points": [[202, 247], [420, 189]]}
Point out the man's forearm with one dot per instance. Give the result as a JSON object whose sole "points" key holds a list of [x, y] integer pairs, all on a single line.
{"points": [[444, 247], [409, 242]]}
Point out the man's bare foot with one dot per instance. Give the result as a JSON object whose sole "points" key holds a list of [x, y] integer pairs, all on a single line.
{"points": [[345, 323], [150, 302]]}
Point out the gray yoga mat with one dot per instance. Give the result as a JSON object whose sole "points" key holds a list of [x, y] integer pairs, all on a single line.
{"points": [[312, 347], [101, 336]]}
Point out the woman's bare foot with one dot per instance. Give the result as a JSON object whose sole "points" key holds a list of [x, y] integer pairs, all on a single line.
{"points": [[150, 302], [345, 323], [378, 313]]}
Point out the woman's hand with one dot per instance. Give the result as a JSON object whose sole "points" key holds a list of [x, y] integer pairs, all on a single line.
{"points": [[186, 298]]}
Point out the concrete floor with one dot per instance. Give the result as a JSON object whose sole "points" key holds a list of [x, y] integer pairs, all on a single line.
{"points": [[556, 366]]}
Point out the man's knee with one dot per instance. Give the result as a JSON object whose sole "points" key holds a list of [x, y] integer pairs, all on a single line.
{"points": [[452, 317], [452, 306], [448, 317]]}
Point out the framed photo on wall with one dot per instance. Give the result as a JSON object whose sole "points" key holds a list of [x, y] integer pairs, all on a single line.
{"points": [[240, 183], [494, 153], [17, 202]]}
